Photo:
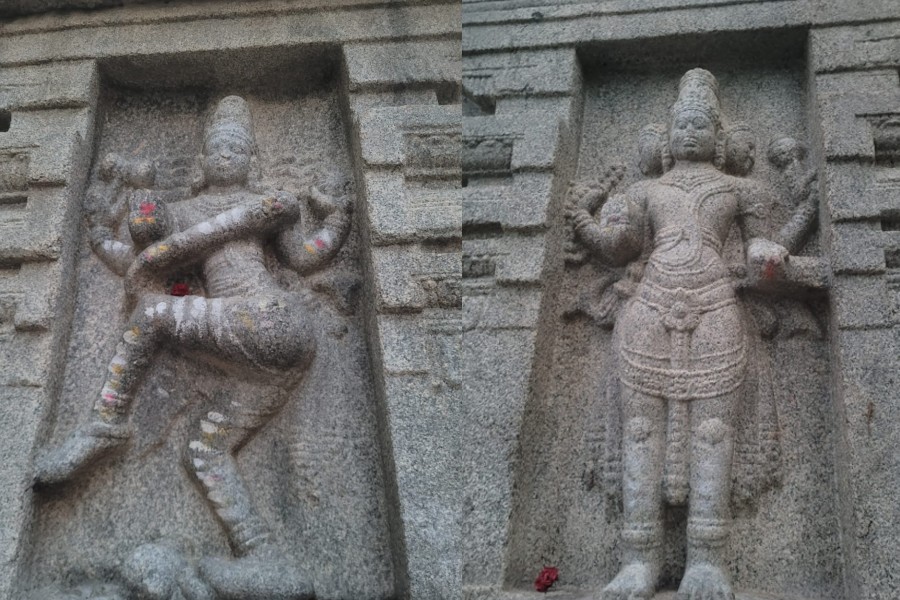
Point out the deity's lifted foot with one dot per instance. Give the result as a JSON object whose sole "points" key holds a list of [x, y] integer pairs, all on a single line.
{"points": [[704, 582], [636, 581], [265, 575], [86, 445]]}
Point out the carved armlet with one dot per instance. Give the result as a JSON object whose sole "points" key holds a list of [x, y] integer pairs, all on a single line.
{"points": [[148, 219]]}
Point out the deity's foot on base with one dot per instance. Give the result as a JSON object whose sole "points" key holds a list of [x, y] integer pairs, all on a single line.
{"points": [[262, 576], [636, 581], [704, 582], [80, 450]]}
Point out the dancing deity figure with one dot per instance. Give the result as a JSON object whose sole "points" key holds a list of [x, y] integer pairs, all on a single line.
{"points": [[681, 342], [245, 322]]}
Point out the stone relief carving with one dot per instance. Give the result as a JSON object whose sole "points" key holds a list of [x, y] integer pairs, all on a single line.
{"points": [[234, 314], [694, 408]]}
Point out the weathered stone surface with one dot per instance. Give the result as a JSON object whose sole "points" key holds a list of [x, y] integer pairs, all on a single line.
{"points": [[603, 70], [210, 153]]}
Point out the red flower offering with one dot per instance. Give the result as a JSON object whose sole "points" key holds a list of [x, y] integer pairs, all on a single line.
{"points": [[546, 579], [180, 289]]}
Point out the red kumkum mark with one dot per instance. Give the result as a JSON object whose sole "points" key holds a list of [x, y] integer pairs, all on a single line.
{"points": [[546, 578], [769, 270], [320, 244], [147, 208], [180, 289]]}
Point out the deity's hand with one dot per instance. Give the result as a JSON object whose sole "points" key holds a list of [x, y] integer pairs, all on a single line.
{"points": [[766, 257], [617, 212], [309, 253], [323, 205]]}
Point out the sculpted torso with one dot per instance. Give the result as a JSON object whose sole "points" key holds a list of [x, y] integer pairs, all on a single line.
{"points": [[689, 227], [238, 267]]}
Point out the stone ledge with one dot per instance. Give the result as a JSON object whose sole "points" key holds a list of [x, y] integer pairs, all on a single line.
{"points": [[376, 66]]}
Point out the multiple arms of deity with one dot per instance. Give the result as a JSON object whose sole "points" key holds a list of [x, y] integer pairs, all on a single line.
{"points": [[618, 235], [165, 248]]}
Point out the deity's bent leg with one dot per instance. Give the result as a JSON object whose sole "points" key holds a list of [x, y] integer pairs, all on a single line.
{"points": [[643, 450], [261, 569], [149, 325], [210, 456], [709, 516], [268, 333]]}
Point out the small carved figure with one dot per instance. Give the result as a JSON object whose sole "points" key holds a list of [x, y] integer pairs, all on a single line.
{"points": [[787, 155], [244, 321], [681, 339]]}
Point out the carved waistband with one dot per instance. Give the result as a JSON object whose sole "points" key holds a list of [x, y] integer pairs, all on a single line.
{"points": [[709, 378], [713, 296]]}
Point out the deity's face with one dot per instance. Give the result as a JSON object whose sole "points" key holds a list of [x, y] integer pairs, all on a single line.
{"points": [[226, 159], [692, 136]]}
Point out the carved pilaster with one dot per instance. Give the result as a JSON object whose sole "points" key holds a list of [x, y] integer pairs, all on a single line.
{"points": [[857, 106], [44, 157], [522, 120], [409, 155]]}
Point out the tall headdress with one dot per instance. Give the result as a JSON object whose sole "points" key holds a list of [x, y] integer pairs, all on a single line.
{"points": [[699, 91], [231, 119]]}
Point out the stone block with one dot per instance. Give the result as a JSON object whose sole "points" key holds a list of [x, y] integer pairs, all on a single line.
{"points": [[497, 28], [534, 136], [842, 99], [385, 134], [853, 191], [35, 227], [216, 27], [501, 308], [860, 302], [54, 85], [53, 140], [509, 260], [412, 190], [397, 64], [857, 248], [522, 73], [522, 203], [411, 278]]}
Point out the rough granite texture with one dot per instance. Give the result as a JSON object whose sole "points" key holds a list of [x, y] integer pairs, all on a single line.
{"points": [[459, 427], [358, 484], [545, 479]]}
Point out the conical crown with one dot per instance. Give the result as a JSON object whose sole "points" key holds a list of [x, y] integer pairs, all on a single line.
{"points": [[232, 118], [698, 91]]}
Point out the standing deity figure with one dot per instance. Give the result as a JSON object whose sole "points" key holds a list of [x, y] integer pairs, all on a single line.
{"points": [[681, 343], [244, 322]]}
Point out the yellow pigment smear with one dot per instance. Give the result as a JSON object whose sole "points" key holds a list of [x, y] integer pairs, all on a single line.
{"points": [[247, 321]]}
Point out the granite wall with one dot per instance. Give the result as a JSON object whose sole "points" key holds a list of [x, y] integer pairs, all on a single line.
{"points": [[458, 428]]}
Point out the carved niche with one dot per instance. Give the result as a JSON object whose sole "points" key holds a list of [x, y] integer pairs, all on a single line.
{"points": [[216, 419], [685, 293]]}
